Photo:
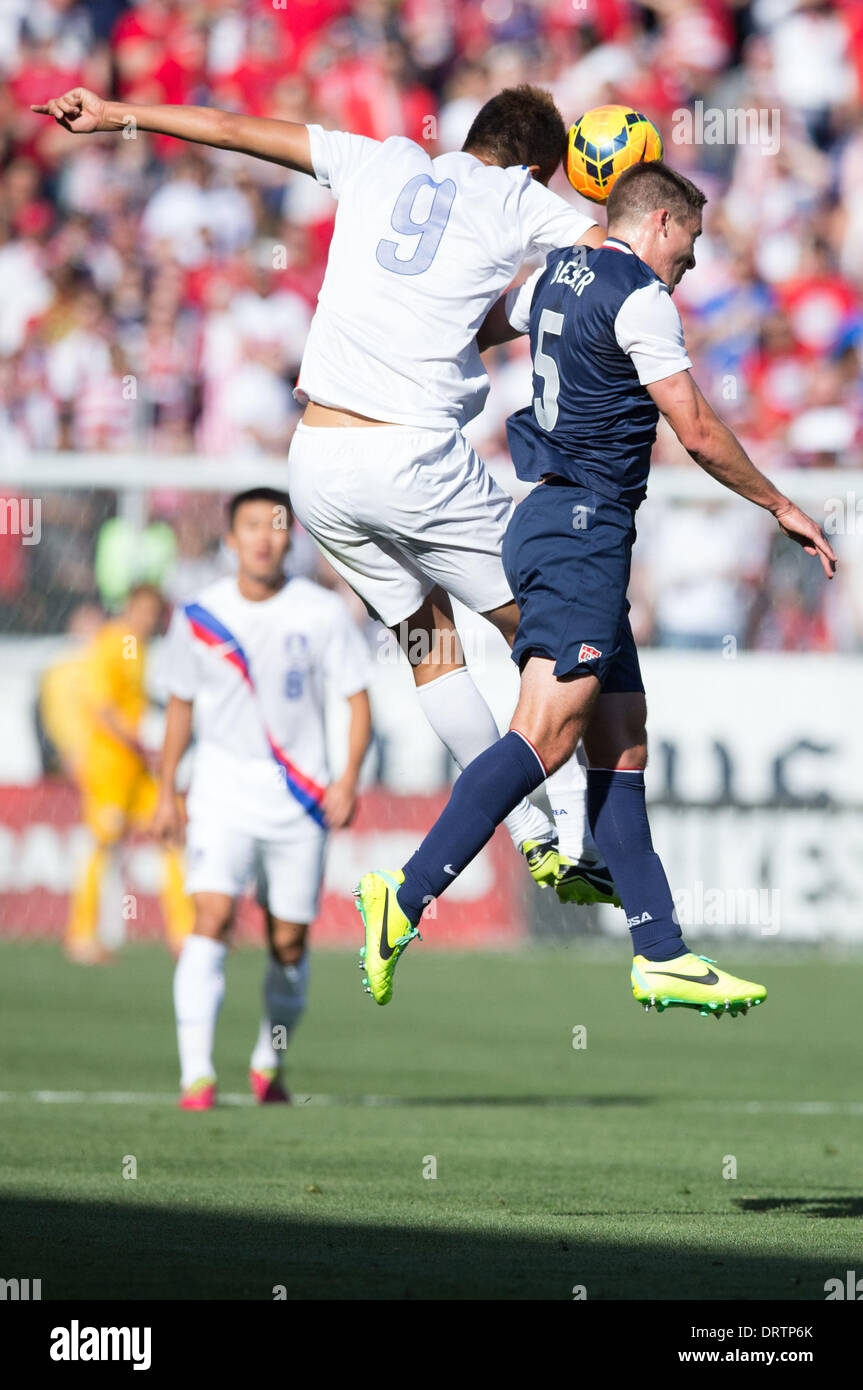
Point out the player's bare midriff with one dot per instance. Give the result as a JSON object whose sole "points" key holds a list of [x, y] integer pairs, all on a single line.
{"points": [[329, 416]]}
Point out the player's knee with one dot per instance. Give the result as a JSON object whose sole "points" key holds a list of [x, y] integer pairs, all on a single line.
{"points": [[287, 943], [634, 758], [560, 748], [553, 742], [614, 748], [213, 919], [107, 825], [632, 752], [551, 730], [213, 927], [617, 734]]}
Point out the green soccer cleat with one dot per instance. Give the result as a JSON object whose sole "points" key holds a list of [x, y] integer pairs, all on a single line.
{"points": [[691, 982], [543, 860], [585, 883], [388, 931]]}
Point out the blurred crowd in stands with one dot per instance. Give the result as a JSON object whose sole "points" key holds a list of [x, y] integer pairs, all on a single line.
{"points": [[155, 297]]}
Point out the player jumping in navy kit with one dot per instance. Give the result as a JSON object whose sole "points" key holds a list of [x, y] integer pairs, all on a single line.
{"points": [[609, 358]]}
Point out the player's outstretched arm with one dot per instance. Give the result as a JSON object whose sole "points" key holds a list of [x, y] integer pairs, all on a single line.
{"points": [[281, 142], [718, 451]]}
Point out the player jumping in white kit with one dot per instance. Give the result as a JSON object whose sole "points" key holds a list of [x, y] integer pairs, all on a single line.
{"points": [[379, 471], [252, 659]]}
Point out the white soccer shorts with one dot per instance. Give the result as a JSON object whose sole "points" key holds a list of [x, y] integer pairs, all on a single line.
{"points": [[287, 870], [398, 511]]}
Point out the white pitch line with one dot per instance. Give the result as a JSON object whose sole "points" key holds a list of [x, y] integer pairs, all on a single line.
{"points": [[236, 1098], [797, 1107]]}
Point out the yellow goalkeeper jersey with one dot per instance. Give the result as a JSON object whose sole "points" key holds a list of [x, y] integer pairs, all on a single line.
{"points": [[63, 705], [115, 667]]}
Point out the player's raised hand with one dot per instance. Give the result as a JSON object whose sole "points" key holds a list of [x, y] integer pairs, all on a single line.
{"points": [[78, 110], [799, 527]]}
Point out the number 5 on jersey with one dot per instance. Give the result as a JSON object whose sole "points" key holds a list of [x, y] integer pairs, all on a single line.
{"points": [[545, 367]]}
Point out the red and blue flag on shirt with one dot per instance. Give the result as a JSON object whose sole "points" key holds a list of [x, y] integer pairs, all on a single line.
{"points": [[209, 630]]}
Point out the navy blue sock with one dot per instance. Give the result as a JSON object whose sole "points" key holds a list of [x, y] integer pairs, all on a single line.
{"points": [[617, 815], [483, 795]]}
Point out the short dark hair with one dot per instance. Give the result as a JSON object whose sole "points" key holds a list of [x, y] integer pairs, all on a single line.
{"points": [[259, 494], [645, 187], [521, 125]]}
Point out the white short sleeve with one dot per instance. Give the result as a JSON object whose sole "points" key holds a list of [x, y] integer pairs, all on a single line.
{"points": [[336, 155], [347, 660], [548, 222], [177, 661], [519, 299], [648, 329]]}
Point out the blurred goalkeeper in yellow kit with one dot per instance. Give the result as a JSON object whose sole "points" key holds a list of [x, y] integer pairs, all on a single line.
{"points": [[118, 790]]}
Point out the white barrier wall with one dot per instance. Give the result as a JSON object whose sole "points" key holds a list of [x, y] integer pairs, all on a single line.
{"points": [[756, 790], [755, 777]]}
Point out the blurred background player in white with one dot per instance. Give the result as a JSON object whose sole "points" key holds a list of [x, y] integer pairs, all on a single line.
{"points": [[380, 473], [251, 661]]}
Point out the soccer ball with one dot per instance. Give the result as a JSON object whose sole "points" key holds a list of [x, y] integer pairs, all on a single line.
{"points": [[605, 141]]}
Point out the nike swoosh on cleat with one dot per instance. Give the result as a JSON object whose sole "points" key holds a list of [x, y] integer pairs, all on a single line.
{"points": [[448, 870], [386, 948], [711, 978]]}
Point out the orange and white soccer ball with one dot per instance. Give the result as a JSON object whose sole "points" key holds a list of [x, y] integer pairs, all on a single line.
{"points": [[605, 141]]}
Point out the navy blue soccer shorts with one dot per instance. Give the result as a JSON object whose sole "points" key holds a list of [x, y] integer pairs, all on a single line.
{"points": [[567, 555]]}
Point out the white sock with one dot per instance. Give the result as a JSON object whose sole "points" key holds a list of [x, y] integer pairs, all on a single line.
{"points": [[567, 794], [199, 987], [465, 725], [285, 989]]}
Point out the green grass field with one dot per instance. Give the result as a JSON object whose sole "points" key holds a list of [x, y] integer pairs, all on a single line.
{"points": [[556, 1167]]}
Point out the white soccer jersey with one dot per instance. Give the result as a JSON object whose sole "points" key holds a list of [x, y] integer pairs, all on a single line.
{"points": [[293, 646], [422, 249]]}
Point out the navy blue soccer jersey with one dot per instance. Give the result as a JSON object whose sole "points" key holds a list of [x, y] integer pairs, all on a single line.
{"points": [[602, 328]]}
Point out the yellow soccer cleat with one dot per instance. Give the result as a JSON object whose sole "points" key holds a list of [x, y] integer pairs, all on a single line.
{"points": [[585, 883], [543, 859], [388, 931], [693, 982], [573, 882]]}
